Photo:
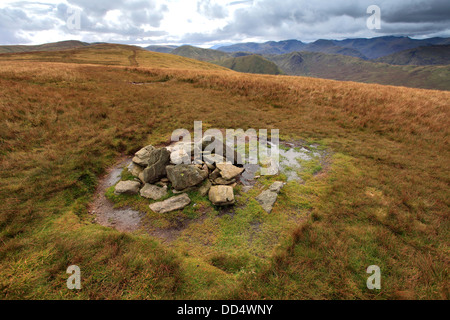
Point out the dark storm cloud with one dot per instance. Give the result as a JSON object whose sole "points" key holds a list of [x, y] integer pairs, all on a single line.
{"points": [[417, 11], [304, 19]]}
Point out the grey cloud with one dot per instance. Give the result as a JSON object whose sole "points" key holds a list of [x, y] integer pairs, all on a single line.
{"points": [[307, 20], [211, 9]]}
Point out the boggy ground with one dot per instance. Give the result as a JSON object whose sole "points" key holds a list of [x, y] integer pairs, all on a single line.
{"points": [[243, 231], [384, 200]]}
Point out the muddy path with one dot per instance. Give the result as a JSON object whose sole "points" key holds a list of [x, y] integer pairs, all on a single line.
{"points": [[124, 219]]}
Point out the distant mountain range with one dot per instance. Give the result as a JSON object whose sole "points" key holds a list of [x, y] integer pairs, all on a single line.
{"points": [[411, 67], [345, 68], [362, 48]]}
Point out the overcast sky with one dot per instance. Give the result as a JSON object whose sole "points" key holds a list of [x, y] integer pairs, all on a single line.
{"points": [[211, 22]]}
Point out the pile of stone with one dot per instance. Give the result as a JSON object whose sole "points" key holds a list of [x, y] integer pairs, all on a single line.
{"points": [[154, 168]]}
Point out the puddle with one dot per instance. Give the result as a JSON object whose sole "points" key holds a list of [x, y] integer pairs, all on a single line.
{"points": [[289, 156], [123, 219]]}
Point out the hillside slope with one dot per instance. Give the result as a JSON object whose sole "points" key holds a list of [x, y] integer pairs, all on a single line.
{"points": [[422, 56], [63, 45], [114, 54], [200, 53], [250, 64], [338, 67]]}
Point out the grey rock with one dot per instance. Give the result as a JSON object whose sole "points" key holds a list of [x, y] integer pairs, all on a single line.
{"points": [[222, 181], [153, 192], [127, 187], [135, 169], [171, 204], [214, 175], [183, 176], [142, 156], [276, 186], [267, 199], [157, 162], [221, 195], [204, 189]]}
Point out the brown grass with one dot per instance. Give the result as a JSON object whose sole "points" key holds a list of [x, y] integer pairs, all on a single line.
{"points": [[384, 201]]}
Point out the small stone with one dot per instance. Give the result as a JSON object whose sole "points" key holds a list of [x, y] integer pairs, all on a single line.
{"points": [[171, 204], [127, 187], [221, 195], [267, 199], [153, 192], [276, 186], [229, 171]]}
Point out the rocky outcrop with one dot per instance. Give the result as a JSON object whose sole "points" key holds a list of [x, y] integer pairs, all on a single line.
{"points": [[127, 187], [221, 195], [171, 204], [183, 176]]}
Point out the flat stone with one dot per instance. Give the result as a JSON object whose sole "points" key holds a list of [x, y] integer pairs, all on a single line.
{"points": [[229, 171], [183, 176], [171, 204], [222, 181], [221, 195], [276, 186], [153, 192], [127, 187], [267, 199]]}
